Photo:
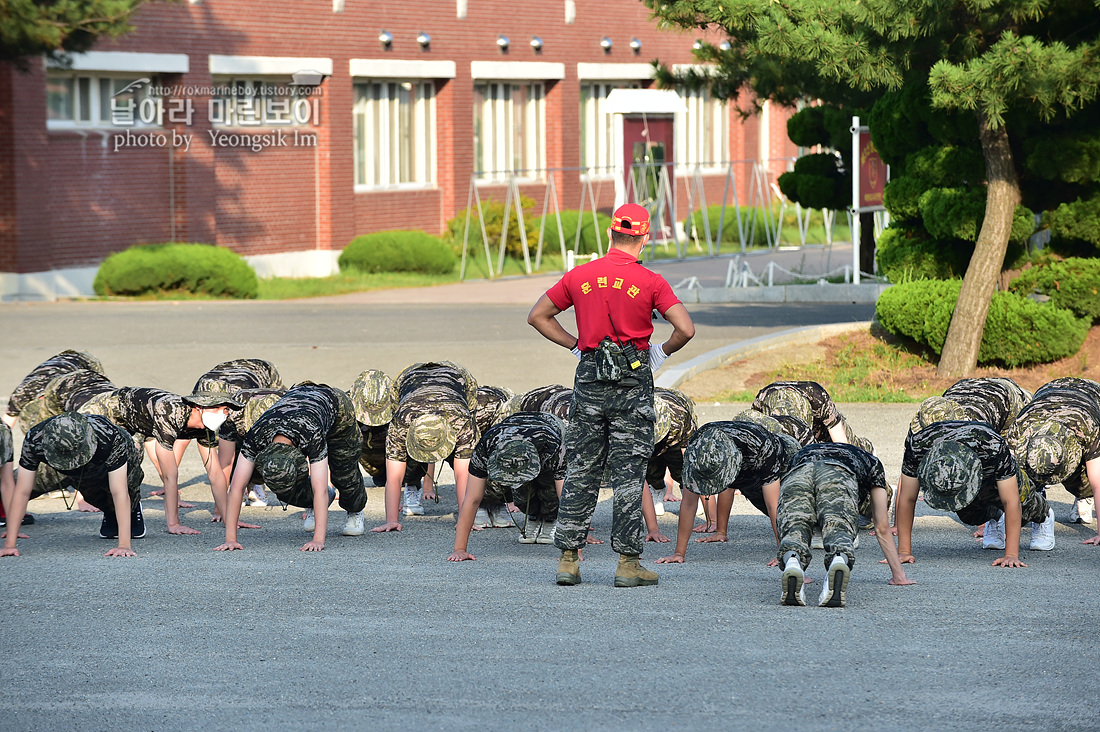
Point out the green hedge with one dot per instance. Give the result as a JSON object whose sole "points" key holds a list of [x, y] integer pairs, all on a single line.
{"points": [[492, 212], [1072, 284], [175, 267], [397, 251], [730, 234], [1018, 331], [569, 221], [904, 256]]}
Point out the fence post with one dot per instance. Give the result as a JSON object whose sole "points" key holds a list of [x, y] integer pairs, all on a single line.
{"points": [[771, 274]]}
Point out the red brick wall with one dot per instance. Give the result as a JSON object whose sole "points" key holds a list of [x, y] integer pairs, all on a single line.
{"points": [[65, 200]]}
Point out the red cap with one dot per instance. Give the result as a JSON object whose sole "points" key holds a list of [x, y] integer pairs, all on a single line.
{"points": [[630, 218]]}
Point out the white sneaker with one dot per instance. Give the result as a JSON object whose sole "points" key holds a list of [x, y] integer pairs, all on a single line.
{"points": [[658, 502], [354, 525], [529, 534], [835, 585], [547, 531], [310, 523], [257, 496], [994, 535], [1042, 535], [794, 583], [499, 518], [412, 502], [1082, 512], [481, 518]]}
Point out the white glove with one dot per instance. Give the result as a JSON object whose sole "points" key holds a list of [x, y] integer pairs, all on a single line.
{"points": [[577, 352], [656, 357]]}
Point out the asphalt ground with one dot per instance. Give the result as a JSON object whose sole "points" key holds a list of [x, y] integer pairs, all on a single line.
{"points": [[380, 631]]}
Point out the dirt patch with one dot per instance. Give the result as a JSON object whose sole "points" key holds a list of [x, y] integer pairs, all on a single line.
{"points": [[916, 378]]}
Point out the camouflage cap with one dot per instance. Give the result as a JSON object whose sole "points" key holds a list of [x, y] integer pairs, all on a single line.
{"points": [[1052, 453], [68, 441], [936, 409], [372, 395], [91, 362], [950, 476], [795, 428], [558, 404], [788, 401], [430, 439], [711, 463], [7, 444], [32, 413], [213, 393], [282, 466], [514, 463], [257, 405], [790, 446], [664, 419]]}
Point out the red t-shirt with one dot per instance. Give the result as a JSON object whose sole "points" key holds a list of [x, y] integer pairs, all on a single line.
{"points": [[615, 285]]}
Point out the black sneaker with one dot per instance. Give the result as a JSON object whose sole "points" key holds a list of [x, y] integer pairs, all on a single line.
{"points": [[108, 528], [137, 523], [28, 519]]}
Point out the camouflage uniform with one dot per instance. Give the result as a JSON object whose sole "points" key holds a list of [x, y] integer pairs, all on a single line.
{"points": [[320, 421], [490, 406], [816, 408], [114, 449], [995, 401], [81, 391], [254, 377], [443, 389], [827, 485], [609, 433], [997, 463], [780, 424], [1065, 414], [763, 458], [554, 399], [538, 497], [668, 452], [34, 384], [7, 445]]}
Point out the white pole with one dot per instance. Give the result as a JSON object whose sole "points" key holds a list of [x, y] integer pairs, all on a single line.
{"points": [[855, 200]]}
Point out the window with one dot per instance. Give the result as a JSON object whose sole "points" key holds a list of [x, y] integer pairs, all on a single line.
{"points": [[597, 130], [261, 102], [81, 100], [706, 129], [394, 133], [509, 129]]}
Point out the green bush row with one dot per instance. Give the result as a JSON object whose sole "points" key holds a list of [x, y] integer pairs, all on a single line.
{"points": [[398, 251], [1072, 284], [175, 267], [1018, 331]]}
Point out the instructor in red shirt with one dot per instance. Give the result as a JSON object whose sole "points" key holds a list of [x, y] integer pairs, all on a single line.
{"points": [[611, 418]]}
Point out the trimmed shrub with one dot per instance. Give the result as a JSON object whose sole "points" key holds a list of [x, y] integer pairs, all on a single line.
{"points": [[398, 251], [1018, 331], [903, 256], [176, 267], [493, 213], [570, 219], [730, 234], [1072, 284]]}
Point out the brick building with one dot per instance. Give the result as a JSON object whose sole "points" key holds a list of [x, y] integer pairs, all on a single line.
{"points": [[284, 130]]}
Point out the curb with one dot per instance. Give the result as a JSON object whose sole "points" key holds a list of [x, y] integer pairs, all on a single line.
{"points": [[862, 294], [742, 349]]}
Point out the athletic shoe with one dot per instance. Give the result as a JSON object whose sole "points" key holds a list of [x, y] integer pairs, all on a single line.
{"points": [[1082, 512], [481, 519], [28, 519], [412, 502], [137, 523], [994, 535], [1042, 535], [547, 531], [108, 527], [658, 501], [855, 542], [257, 496], [836, 584], [499, 518], [794, 583], [309, 523], [354, 524], [529, 533]]}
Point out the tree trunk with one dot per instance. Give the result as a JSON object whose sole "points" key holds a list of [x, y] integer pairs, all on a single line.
{"points": [[964, 336]]}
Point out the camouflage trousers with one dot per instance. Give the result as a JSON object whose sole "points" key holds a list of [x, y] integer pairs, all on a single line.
{"points": [[98, 494], [1077, 484], [610, 434], [818, 493], [537, 498], [1033, 505], [672, 460]]}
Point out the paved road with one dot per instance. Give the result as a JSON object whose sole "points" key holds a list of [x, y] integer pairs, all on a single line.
{"points": [[380, 631]]}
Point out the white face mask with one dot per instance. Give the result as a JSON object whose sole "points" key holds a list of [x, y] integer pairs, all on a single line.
{"points": [[213, 420]]}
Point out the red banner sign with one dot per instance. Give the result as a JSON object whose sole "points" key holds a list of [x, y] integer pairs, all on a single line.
{"points": [[872, 173]]}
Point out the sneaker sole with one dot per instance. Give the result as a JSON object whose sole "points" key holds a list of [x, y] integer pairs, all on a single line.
{"points": [[564, 578], [633, 582], [527, 540], [998, 546], [414, 512], [838, 586], [793, 583], [544, 540]]}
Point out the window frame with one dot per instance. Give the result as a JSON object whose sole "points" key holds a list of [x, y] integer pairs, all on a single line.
{"points": [[503, 114], [692, 146], [385, 112], [93, 82], [590, 114]]}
